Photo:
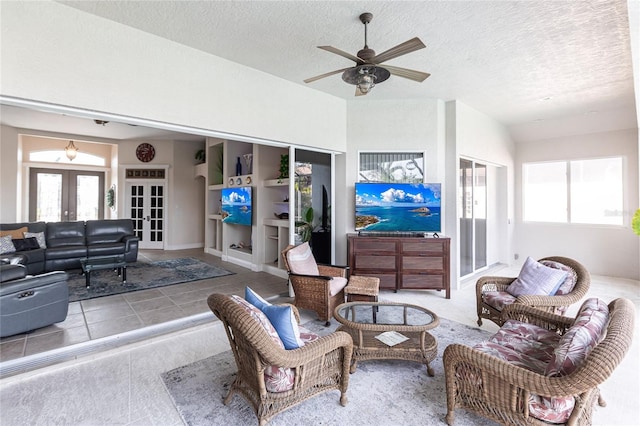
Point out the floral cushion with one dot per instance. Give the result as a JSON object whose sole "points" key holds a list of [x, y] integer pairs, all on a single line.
{"points": [[301, 260], [307, 336], [511, 356], [526, 338], [260, 317], [531, 347], [586, 332], [569, 282], [552, 410], [498, 299], [276, 379]]}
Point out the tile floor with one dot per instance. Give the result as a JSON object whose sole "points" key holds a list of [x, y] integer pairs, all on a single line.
{"points": [[93, 319], [121, 385]]}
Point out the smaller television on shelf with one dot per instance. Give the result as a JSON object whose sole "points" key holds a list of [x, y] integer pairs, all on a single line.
{"points": [[398, 207], [236, 205]]}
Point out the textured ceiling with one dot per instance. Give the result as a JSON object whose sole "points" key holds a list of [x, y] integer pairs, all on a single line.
{"points": [[528, 64], [500, 57]]}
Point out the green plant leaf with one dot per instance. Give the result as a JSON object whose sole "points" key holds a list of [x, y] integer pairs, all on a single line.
{"points": [[308, 215], [635, 222]]}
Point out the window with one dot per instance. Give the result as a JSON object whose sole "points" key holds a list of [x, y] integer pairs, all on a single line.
{"points": [[391, 167], [578, 191], [59, 156]]}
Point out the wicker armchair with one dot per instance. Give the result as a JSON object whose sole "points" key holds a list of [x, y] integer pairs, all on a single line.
{"points": [[318, 366], [499, 390], [554, 304], [313, 292]]}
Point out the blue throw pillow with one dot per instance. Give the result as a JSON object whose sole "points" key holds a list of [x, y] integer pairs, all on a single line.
{"points": [[254, 298], [281, 317]]}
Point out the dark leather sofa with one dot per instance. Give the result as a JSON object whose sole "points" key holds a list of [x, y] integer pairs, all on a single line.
{"points": [[30, 302], [68, 242]]}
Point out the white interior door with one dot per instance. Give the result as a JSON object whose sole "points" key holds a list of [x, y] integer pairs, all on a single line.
{"points": [[146, 206]]}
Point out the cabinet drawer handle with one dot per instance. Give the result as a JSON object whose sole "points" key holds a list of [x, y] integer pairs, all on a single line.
{"points": [[26, 294]]}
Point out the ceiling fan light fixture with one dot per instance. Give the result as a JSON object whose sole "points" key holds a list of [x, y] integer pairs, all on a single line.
{"points": [[366, 82], [365, 77], [71, 150]]}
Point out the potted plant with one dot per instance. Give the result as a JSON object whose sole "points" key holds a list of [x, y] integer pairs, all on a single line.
{"points": [[284, 167], [635, 222], [304, 228], [201, 156]]}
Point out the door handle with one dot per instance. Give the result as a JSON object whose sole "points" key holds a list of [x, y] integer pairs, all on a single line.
{"points": [[149, 218]]}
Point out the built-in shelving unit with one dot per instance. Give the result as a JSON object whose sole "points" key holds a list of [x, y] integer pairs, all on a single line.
{"points": [[273, 208], [237, 240], [256, 247]]}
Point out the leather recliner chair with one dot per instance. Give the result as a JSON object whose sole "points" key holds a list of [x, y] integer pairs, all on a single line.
{"points": [[30, 302]]}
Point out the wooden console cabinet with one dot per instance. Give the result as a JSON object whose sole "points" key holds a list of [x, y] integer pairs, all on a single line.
{"points": [[402, 262]]}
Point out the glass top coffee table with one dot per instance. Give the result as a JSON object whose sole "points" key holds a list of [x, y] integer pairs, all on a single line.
{"points": [[371, 324], [115, 262]]}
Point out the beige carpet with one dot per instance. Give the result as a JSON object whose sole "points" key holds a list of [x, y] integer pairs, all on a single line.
{"points": [[386, 392]]}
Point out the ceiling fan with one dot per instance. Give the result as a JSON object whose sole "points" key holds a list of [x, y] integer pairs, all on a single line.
{"points": [[368, 72]]}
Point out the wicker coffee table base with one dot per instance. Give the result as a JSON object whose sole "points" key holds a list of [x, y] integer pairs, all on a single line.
{"points": [[421, 347]]}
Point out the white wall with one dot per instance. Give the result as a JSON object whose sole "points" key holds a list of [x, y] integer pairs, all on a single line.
{"points": [[64, 56], [604, 250], [375, 125], [186, 200], [9, 171], [445, 133]]}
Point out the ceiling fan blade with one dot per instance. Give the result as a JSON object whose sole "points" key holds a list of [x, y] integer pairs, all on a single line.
{"points": [[399, 50], [407, 73], [318, 77], [342, 53]]}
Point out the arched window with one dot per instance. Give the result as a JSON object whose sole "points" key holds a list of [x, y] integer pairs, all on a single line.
{"points": [[59, 156]]}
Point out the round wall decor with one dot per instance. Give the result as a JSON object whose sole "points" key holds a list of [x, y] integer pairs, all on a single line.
{"points": [[145, 152]]}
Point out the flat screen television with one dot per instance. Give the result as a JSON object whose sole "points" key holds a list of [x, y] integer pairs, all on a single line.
{"points": [[398, 207], [236, 205]]}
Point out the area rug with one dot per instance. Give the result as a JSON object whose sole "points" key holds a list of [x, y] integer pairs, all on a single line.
{"points": [[384, 392], [141, 276]]}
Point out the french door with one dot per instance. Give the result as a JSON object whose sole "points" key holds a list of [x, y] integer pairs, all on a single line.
{"points": [[146, 205], [472, 216], [57, 195]]}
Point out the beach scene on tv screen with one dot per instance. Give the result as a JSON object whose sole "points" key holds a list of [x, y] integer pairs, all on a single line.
{"points": [[236, 205], [398, 207]]}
